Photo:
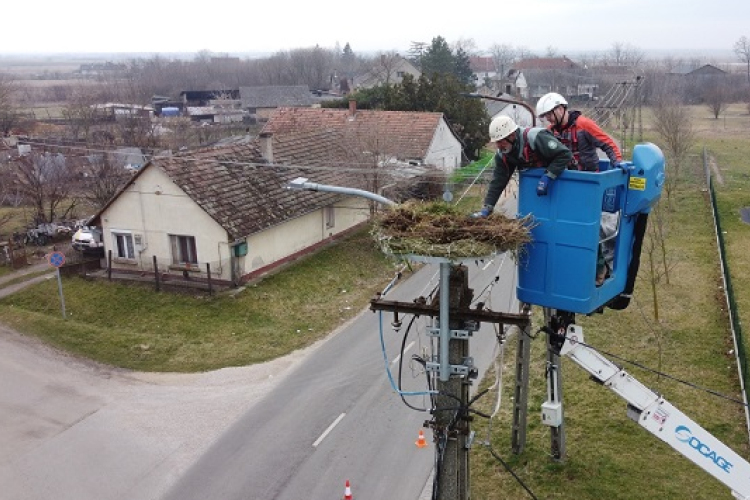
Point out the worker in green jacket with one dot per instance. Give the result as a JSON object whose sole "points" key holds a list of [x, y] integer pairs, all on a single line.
{"points": [[522, 148]]}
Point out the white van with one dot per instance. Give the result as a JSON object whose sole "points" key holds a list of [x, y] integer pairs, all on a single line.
{"points": [[88, 239]]}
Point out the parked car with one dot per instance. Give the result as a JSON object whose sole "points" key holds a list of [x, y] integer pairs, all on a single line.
{"points": [[88, 240]]}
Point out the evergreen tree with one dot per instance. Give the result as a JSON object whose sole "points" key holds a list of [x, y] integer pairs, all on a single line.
{"points": [[438, 59], [463, 67], [348, 61]]}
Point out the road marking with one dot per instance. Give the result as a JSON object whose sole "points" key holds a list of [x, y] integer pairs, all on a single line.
{"points": [[327, 431], [395, 360]]}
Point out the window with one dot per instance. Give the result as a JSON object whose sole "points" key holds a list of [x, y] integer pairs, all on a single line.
{"points": [[183, 250], [330, 215], [124, 245]]}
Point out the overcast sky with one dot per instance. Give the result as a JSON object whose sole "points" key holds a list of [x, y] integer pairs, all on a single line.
{"points": [[266, 26]]}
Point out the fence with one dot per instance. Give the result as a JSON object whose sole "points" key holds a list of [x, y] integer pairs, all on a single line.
{"points": [[165, 276], [736, 326]]}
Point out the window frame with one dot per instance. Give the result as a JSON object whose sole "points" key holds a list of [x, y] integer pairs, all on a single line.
{"points": [[129, 244], [180, 245]]}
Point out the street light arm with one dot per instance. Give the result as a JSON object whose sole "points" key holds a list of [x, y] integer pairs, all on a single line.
{"points": [[474, 95], [303, 183]]}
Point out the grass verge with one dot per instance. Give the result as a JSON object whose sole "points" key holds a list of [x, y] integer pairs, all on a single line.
{"points": [[134, 327]]}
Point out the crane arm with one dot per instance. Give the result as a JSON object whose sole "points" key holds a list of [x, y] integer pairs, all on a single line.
{"points": [[662, 419]]}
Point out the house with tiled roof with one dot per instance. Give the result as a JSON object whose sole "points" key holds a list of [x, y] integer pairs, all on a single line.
{"points": [[387, 70], [552, 74], [226, 211], [389, 137], [260, 102], [482, 69]]}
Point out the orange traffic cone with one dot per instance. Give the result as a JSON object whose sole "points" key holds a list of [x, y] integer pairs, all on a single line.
{"points": [[347, 491], [421, 443]]}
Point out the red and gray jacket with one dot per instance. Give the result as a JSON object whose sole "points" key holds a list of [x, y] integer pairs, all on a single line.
{"points": [[583, 136]]}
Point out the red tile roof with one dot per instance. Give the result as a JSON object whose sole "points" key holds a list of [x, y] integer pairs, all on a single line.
{"points": [[406, 135]]}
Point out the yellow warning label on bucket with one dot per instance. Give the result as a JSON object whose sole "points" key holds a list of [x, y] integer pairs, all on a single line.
{"points": [[637, 183]]}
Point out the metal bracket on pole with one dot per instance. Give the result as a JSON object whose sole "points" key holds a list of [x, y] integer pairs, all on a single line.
{"points": [[463, 334], [457, 370], [445, 272]]}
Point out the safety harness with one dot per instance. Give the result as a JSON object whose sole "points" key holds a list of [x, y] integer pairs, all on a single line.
{"points": [[527, 153]]}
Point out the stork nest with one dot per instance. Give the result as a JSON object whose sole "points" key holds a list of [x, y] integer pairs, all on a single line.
{"points": [[437, 229]]}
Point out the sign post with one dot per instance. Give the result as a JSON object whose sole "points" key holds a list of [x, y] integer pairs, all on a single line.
{"points": [[56, 260]]}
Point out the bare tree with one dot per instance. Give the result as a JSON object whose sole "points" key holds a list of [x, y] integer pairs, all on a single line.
{"points": [[524, 53], [673, 124], [503, 56], [742, 50], [385, 66], [468, 45], [9, 113], [81, 111], [103, 176], [653, 272], [716, 97], [46, 180], [551, 51], [622, 54]]}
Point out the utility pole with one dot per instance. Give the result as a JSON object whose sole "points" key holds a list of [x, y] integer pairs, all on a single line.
{"points": [[451, 422], [521, 390], [453, 369]]}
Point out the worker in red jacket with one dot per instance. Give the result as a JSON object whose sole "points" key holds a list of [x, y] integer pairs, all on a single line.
{"points": [[583, 137], [580, 134]]}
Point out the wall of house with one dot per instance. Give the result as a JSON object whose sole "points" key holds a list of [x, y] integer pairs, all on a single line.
{"points": [[445, 150], [519, 114], [276, 245], [155, 208]]}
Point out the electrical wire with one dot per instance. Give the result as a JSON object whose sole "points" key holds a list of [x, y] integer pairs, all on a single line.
{"points": [[660, 373], [498, 384], [340, 166], [396, 388], [401, 363]]}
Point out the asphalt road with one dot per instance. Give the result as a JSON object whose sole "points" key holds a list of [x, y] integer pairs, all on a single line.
{"points": [[337, 418]]}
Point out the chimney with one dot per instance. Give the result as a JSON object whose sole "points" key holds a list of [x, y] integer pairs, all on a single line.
{"points": [[266, 146], [352, 107]]}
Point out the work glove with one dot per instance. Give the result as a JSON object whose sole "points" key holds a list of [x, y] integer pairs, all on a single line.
{"points": [[485, 212], [543, 186]]}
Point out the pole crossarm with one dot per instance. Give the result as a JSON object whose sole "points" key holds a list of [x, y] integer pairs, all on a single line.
{"points": [[423, 309]]}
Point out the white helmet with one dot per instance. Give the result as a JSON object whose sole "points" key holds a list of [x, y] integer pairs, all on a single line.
{"points": [[548, 102], [501, 127]]}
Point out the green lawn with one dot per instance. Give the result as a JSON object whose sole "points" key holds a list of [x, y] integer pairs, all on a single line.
{"points": [[133, 326]]}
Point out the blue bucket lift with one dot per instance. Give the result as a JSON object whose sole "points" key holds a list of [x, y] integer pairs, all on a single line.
{"points": [[558, 268]]}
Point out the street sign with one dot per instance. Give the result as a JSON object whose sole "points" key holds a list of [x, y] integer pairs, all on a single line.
{"points": [[56, 259]]}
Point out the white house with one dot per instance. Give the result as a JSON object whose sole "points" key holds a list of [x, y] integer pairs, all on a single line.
{"points": [[519, 112], [225, 209]]}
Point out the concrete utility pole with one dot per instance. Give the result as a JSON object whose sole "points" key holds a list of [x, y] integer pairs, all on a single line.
{"points": [[454, 368], [451, 420]]}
